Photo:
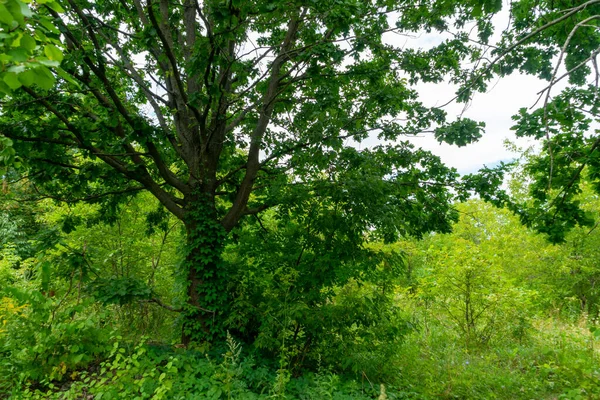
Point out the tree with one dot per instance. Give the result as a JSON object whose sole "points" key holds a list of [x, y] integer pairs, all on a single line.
{"points": [[224, 109], [559, 42], [478, 276]]}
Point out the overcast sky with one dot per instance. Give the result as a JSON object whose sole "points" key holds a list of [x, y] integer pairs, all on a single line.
{"points": [[496, 107]]}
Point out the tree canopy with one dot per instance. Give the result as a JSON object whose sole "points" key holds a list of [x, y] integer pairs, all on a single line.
{"points": [[558, 42], [226, 109]]}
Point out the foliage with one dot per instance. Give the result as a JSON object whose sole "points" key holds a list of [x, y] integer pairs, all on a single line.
{"points": [[474, 294], [120, 291], [461, 132], [146, 371], [200, 168], [545, 40], [570, 273], [56, 319], [45, 340], [382, 314], [182, 108], [29, 44], [311, 293], [556, 362], [528, 350], [475, 272]]}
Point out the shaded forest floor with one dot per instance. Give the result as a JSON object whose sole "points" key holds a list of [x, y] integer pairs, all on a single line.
{"points": [[554, 360]]}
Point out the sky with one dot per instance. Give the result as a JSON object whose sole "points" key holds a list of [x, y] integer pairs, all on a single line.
{"points": [[495, 107]]}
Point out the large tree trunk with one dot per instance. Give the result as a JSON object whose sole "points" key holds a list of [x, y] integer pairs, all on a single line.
{"points": [[207, 301]]}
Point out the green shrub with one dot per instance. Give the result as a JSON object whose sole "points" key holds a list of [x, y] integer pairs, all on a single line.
{"points": [[44, 339]]}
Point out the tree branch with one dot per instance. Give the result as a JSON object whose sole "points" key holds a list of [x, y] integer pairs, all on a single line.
{"points": [[547, 25], [253, 164], [140, 175]]}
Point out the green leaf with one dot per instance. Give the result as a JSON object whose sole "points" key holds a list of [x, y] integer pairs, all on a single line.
{"points": [[18, 55], [4, 89], [6, 17], [27, 42], [76, 359], [16, 69], [55, 6], [14, 6], [67, 77], [27, 78], [49, 63], [12, 80], [25, 10], [43, 78], [53, 53], [48, 25], [17, 40]]}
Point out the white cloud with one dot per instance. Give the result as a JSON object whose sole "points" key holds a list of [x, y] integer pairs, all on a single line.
{"points": [[495, 108]]}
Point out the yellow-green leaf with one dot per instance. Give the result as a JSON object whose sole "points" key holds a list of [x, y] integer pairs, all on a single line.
{"points": [[53, 53], [12, 80]]}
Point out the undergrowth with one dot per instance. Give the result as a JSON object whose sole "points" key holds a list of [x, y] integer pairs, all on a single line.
{"points": [[556, 361]]}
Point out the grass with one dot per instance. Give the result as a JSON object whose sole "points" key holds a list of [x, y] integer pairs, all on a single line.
{"points": [[557, 360]]}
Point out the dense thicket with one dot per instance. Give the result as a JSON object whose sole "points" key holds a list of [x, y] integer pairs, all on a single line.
{"points": [[489, 308], [223, 110], [189, 208]]}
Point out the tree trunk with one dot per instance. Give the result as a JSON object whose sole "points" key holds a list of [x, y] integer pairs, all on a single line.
{"points": [[207, 301]]}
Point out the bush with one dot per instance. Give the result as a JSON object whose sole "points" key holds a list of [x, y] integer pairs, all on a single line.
{"points": [[43, 340], [145, 371]]}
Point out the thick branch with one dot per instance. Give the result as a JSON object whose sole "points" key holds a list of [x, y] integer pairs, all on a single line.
{"points": [[38, 139], [115, 102], [165, 306], [255, 210], [86, 198], [163, 34], [140, 175], [253, 165]]}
